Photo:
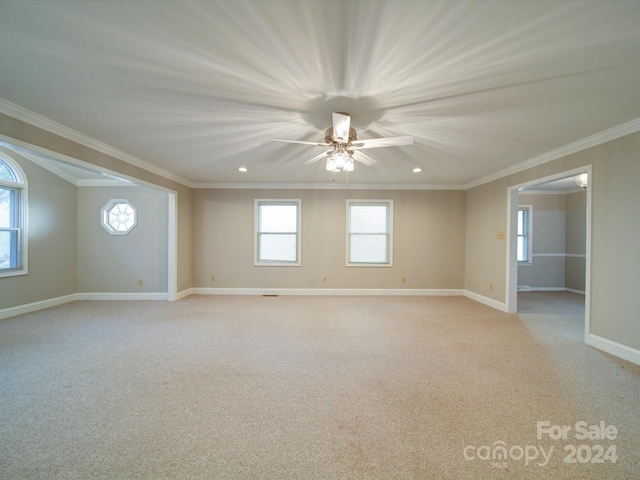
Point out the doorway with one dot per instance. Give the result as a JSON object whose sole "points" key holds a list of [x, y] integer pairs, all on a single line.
{"points": [[558, 265]]}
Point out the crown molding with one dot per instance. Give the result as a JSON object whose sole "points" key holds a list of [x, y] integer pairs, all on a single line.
{"points": [[632, 126], [324, 186], [32, 118]]}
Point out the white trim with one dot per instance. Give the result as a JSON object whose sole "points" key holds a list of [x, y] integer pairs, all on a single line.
{"points": [[172, 245], [184, 294], [528, 236], [35, 306], [32, 118], [23, 242], [86, 182], [547, 289], [121, 296], [573, 290], [329, 291], [622, 351], [573, 255], [552, 192], [528, 288], [486, 300], [32, 153], [257, 203], [325, 186], [632, 126], [388, 203]]}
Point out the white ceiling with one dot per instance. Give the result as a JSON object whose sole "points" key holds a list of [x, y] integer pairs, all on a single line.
{"points": [[198, 88]]}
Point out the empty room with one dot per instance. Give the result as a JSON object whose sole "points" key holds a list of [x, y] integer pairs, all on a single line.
{"points": [[317, 239]]}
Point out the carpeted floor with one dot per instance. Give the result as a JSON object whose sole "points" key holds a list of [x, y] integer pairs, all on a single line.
{"points": [[215, 387]]}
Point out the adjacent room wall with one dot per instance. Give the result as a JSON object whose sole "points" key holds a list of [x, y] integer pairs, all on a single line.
{"points": [[559, 241], [576, 241], [52, 239], [428, 241], [547, 267], [116, 263]]}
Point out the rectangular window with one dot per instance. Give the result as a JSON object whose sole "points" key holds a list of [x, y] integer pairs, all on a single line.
{"points": [[524, 234], [277, 232], [369, 232]]}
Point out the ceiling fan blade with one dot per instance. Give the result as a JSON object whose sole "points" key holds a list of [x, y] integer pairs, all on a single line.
{"points": [[364, 159], [341, 125], [382, 142], [316, 158], [315, 144]]}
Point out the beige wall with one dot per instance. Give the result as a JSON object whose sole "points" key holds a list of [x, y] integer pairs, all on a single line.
{"points": [[52, 240], [615, 233], [428, 241], [115, 263]]}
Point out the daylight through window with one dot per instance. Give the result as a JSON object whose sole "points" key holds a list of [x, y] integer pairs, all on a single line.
{"points": [[369, 232], [118, 217], [524, 234], [13, 238], [277, 232]]}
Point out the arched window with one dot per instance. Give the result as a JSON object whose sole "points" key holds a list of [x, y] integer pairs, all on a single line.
{"points": [[13, 204]]}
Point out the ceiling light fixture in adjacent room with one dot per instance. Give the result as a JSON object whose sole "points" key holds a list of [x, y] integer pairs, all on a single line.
{"points": [[417, 170], [582, 180]]}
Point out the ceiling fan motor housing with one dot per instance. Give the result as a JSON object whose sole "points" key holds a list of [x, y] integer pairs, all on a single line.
{"points": [[328, 136]]}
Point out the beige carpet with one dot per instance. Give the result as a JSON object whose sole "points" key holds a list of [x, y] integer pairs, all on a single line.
{"points": [[310, 388]]}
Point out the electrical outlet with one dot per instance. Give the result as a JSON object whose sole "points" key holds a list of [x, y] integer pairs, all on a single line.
{"points": [[324, 279], [491, 287], [404, 280], [141, 282], [213, 278]]}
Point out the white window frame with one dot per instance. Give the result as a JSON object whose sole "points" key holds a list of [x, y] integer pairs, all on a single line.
{"points": [[258, 202], [105, 213], [21, 223], [388, 233], [528, 234]]}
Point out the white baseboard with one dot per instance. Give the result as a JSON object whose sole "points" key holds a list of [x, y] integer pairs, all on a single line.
{"points": [[486, 301], [617, 349], [35, 306], [184, 293], [572, 290], [329, 291], [550, 289], [122, 296]]}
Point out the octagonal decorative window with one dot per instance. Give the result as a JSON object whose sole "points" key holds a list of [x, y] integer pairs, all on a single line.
{"points": [[118, 217]]}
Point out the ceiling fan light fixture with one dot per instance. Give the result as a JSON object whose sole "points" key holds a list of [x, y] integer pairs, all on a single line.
{"points": [[348, 164], [340, 161]]}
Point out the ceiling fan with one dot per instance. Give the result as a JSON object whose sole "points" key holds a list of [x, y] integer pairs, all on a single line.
{"points": [[344, 147]]}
